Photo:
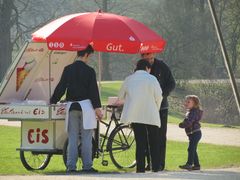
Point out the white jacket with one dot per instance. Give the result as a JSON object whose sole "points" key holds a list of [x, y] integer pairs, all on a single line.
{"points": [[142, 97]]}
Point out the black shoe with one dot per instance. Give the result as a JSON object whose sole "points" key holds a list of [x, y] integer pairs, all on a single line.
{"points": [[196, 167], [91, 170], [186, 166], [71, 171], [147, 168], [161, 168], [140, 171]]}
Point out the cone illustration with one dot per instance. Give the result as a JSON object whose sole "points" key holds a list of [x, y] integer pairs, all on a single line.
{"points": [[22, 72]]}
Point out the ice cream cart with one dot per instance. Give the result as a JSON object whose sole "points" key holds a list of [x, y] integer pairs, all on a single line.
{"points": [[24, 96]]}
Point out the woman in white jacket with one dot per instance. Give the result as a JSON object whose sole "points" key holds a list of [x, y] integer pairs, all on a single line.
{"points": [[142, 97]]}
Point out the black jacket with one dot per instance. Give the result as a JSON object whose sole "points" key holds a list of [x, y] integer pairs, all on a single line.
{"points": [[79, 80], [165, 78]]}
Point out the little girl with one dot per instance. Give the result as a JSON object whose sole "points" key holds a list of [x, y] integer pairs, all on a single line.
{"points": [[192, 128]]}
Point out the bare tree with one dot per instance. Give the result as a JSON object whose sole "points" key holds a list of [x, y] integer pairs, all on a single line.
{"points": [[16, 24], [6, 22]]}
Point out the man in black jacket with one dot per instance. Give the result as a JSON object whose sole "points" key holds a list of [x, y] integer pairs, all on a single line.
{"points": [[166, 80], [79, 81]]}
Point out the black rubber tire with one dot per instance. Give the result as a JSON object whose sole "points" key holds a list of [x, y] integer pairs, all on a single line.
{"points": [[34, 160], [122, 147]]}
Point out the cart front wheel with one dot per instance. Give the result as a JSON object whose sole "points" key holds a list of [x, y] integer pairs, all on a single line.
{"points": [[34, 160]]}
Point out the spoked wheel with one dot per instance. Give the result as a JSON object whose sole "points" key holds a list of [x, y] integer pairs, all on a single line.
{"points": [[122, 147], [34, 160]]}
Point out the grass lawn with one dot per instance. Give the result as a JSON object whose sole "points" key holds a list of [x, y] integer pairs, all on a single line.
{"points": [[108, 89], [211, 156]]}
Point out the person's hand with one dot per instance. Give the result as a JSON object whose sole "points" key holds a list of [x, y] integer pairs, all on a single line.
{"points": [[99, 113], [118, 102], [181, 125]]}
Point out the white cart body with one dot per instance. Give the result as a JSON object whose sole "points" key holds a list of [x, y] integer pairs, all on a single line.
{"points": [[25, 92]]}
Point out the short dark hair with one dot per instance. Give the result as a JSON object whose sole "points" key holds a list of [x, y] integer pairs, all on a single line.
{"points": [[142, 64], [89, 50]]}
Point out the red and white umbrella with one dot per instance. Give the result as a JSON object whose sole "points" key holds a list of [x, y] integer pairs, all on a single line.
{"points": [[105, 31]]}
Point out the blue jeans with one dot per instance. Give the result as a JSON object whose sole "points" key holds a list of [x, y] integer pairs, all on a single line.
{"points": [[192, 148], [75, 126]]}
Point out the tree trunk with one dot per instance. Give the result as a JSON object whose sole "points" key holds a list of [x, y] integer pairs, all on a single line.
{"points": [[5, 31]]}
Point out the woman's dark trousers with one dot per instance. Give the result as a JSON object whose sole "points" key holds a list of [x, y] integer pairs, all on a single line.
{"points": [[143, 134]]}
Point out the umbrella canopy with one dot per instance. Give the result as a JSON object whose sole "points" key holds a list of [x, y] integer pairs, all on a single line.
{"points": [[105, 31]]}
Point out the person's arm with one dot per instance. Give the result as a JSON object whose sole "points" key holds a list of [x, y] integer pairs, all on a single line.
{"points": [[93, 90], [157, 93], [122, 92], [188, 121], [94, 95], [169, 82], [60, 88]]}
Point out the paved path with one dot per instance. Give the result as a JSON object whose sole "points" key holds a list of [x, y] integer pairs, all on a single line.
{"points": [[221, 136], [214, 174]]}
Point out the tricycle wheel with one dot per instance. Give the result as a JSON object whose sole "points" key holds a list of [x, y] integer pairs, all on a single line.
{"points": [[34, 160]]}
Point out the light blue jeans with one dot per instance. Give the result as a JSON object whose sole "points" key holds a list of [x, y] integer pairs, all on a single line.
{"points": [[75, 126]]}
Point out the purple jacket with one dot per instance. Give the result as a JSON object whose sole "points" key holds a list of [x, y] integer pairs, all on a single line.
{"points": [[191, 122]]}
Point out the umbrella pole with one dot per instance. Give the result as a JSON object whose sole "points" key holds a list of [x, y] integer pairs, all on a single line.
{"points": [[225, 55], [99, 72], [49, 73]]}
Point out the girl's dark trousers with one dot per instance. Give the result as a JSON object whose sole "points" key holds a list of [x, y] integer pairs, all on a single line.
{"points": [[192, 148]]}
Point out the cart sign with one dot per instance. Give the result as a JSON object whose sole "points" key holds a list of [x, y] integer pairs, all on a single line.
{"points": [[14, 111], [37, 134], [59, 111]]}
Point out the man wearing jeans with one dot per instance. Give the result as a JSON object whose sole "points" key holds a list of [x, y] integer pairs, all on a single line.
{"points": [[79, 82]]}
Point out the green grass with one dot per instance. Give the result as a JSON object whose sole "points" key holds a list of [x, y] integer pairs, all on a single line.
{"points": [[211, 156], [109, 89]]}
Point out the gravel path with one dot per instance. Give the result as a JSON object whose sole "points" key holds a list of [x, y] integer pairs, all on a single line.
{"points": [[221, 136], [213, 174]]}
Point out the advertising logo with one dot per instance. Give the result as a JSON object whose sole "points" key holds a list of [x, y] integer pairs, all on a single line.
{"points": [[38, 136], [38, 111], [23, 71], [56, 45], [144, 48], [61, 111], [114, 47], [131, 38], [34, 49]]}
